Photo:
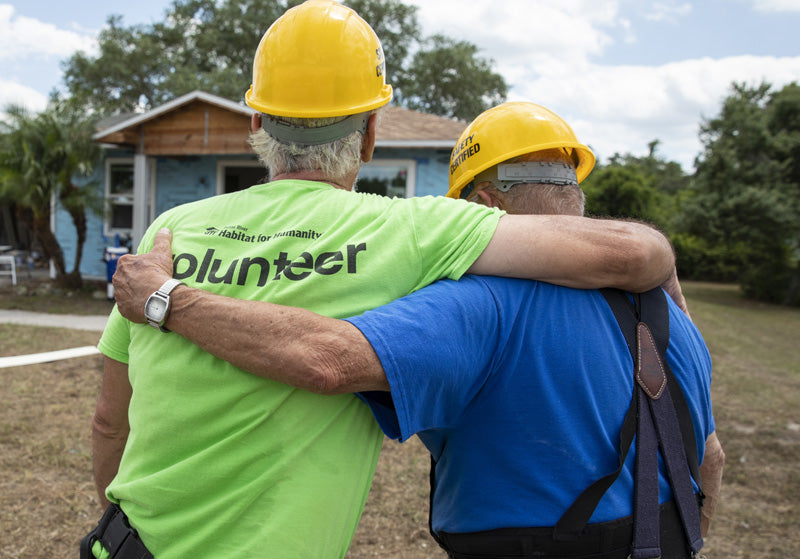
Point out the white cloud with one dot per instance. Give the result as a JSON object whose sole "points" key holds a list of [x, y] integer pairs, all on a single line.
{"points": [[622, 108], [668, 11], [776, 5], [22, 36], [548, 52], [517, 31], [12, 93]]}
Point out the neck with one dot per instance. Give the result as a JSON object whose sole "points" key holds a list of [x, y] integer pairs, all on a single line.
{"points": [[316, 176]]}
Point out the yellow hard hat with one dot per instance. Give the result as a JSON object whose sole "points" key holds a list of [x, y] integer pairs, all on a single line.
{"points": [[319, 59], [510, 130]]}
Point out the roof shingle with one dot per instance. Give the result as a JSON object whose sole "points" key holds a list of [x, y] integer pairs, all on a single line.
{"points": [[398, 123]]}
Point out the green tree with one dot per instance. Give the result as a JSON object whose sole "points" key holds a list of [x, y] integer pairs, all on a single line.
{"points": [[201, 44], [638, 187], [443, 76], [783, 123], [621, 191], [449, 79], [209, 45], [665, 176], [397, 26], [745, 211], [40, 157]]}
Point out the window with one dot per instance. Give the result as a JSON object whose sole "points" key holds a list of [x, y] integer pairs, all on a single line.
{"points": [[238, 174], [388, 177], [119, 195]]}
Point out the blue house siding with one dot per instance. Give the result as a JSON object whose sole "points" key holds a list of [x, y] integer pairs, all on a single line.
{"points": [[182, 180], [178, 181], [92, 264], [185, 179], [432, 167], [177, 175]]}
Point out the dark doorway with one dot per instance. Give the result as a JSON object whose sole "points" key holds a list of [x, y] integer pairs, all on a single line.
{"points": [[239, 178]]}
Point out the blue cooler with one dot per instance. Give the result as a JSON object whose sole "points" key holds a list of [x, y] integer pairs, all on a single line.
{"points": [[111, 255]]}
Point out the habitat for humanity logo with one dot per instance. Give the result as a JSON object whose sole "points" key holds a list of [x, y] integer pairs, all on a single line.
{"points": [[237, 233], [241, 233]]}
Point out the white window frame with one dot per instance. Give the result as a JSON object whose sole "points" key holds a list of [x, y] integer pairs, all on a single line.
{"points": [[111, 198], [411, 175], [222, 164]]}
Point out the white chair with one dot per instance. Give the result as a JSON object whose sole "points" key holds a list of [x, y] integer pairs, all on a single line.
{"points": [[12, 271]]}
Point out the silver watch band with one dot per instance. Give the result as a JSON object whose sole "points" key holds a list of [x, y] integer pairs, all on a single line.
{"points": [[167, 287], [162, 293]]}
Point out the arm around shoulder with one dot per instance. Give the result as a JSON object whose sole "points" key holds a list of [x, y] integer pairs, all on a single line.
{"points": [[578, 252], [287, 344]]}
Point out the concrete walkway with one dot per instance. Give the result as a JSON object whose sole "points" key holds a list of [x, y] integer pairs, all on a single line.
{"points": [[73, 321]]}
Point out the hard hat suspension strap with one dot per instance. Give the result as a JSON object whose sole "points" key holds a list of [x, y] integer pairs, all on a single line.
{"points": [[536, 172], [506, 176], [300, 135]]}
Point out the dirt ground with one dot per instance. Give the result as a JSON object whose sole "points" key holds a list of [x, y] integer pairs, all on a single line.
{"points": [[48, 501]]}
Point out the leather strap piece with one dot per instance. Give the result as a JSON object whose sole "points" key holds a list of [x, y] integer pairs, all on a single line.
{"points": [[649, 368]]}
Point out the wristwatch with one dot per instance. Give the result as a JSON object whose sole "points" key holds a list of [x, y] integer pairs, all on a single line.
{"points": [[156, 308]]}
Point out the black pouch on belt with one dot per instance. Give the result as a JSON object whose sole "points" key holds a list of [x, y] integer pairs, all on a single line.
{"points": [[117, 537]]}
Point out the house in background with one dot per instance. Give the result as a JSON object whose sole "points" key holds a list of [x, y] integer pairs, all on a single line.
{"points": [[196, 146]]}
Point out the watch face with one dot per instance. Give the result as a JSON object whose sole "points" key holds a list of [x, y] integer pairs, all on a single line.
{"points": [[155, 308]]}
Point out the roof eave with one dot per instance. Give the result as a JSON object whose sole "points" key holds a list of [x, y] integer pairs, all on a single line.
{"points": [[172, 105]]}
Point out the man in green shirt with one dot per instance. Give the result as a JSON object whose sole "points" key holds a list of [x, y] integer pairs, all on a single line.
{"points": [[207, 461]]}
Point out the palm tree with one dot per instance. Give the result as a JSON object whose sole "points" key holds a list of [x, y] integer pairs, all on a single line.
{"points": [[40, 157]]}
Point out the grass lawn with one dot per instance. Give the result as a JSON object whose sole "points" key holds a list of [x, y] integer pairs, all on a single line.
{"points": [[47, 498]]}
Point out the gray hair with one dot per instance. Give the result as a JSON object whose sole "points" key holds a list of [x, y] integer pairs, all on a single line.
{"points": [[551, 199], [539, 198], [336, 159]]}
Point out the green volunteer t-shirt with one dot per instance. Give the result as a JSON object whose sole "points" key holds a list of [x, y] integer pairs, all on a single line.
{"points": [[221, 463]]}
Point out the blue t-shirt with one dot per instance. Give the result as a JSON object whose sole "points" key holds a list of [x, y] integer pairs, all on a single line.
{"points": [[518, 389]]}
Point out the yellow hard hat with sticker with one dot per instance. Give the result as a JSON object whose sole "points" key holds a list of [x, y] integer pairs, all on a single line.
{"points": [[508, 131], [319, 59]]}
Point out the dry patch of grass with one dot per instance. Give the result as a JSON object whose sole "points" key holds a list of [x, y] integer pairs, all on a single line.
{"points": [[47, 495], [756, 395], [47, 498]]}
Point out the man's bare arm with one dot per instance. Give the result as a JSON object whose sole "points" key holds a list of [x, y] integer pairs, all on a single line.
{"points": [[110, 425], [578, 252], [291, 345], [711, 475]]}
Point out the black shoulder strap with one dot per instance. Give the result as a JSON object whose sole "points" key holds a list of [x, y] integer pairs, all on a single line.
{"points": [[655, 312]]}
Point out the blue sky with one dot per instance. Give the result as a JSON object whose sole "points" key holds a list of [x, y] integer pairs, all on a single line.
{"points": [[621, 72]]}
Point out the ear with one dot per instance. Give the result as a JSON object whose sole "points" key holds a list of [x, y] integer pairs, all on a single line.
{"points": [[488, 199], [255, 122], [368, 143]]}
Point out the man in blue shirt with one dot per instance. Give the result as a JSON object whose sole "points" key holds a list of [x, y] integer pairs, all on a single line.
{"points": [[519, 389]]}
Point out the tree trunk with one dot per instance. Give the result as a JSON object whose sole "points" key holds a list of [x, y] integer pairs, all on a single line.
{"points": [[9, 229], [26, 236], [79, 220], [49, 244]]}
